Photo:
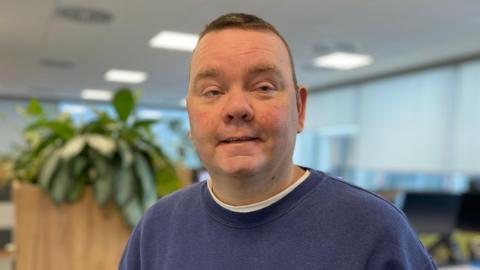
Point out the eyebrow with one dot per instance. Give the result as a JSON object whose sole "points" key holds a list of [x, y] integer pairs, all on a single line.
{"points": [[263, 68], [266, 68], [206, 74]]}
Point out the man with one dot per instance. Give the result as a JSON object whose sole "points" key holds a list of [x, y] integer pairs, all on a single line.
{"points": [[259, 210]]}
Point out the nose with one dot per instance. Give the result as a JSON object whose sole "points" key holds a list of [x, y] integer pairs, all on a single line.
{"points": [[237, 107]]}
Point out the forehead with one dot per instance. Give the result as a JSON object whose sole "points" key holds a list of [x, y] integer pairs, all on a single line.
{"points": [[235, 48]]}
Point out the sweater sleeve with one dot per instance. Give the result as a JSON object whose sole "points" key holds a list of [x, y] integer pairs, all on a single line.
{"points": [[398, 248], [430, 265], [401, 258], [131, 255]]}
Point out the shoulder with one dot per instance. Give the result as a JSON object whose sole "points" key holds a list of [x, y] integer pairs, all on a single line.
{"points": [[180, 196], [166, 213], [344, 195], [359, 211], [186, 199], [372, 219], [158, 222]]}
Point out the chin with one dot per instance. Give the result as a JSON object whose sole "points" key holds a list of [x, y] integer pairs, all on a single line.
{"points": [[243, 169], [240, 172]]}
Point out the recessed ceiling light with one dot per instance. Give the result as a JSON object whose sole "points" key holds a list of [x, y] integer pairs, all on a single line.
{"points": [[174, 41], [342, 60], [97, 94], [125, 76]]}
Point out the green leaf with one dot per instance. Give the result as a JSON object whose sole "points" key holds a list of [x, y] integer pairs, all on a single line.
{"points": [[99, 162], [132, 211], [46, 142], [77, 189], [124, 103], [62, 129], [124, 185], [144, 171], [144, 123], [104, 124], [102, 144], [48, 170], [79, 167], [73, 147], [125, 153], [103, 189], [102, 184], [143, 145], [34, 108], [167, 181], [150, 147], [61, 183]]}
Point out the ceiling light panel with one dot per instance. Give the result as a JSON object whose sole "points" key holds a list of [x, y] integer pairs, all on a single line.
{"points": [[342, 61], [125, 76], [174, 41], [97, 94]]}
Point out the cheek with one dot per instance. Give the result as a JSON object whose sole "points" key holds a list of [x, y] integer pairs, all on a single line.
{"points": [[201, 124], [198, 117], [275, 120]]}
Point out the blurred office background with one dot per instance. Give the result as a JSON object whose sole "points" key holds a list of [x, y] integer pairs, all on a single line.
{"points": [[404, 118]]}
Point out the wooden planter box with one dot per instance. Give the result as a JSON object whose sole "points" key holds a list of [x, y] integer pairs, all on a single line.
{"points": [[76, 236]]}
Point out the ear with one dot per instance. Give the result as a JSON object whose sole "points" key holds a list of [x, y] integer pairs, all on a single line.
{"points": [[301, 107]]}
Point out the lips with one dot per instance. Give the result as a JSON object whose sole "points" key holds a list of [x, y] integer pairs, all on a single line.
{"points": [[242, 139]]}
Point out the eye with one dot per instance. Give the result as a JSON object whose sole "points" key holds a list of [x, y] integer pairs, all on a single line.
{"points": [[213, 92], [265, 88]]}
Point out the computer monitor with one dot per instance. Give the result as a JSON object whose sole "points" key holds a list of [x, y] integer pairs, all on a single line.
{"points": [[432, 212], [469, 216]]}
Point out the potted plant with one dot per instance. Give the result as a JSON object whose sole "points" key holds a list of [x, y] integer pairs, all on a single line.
{"points": [[112, 159]]}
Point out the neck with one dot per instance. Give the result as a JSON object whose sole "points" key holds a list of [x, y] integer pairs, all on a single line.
{"points": [[243, 190]]}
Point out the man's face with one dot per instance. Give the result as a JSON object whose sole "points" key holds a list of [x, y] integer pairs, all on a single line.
{"points": [[242, 105]]}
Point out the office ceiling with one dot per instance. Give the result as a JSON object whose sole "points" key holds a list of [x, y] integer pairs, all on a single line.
{"points": [[49, 57]]}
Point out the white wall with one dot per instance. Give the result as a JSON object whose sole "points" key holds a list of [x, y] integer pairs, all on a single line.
{"points": [[427, 121], [466, 150], [329, 114], [404, 123], [331, 108]]}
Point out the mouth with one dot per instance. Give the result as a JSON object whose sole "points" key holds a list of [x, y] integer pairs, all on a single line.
{"points": [[238, 140]]}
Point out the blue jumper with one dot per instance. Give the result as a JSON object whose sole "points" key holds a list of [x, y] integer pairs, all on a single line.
{"points": [[324, 223]]}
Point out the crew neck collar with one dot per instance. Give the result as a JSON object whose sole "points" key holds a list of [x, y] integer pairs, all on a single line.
{"points": [[258, 205], [264, 215]]}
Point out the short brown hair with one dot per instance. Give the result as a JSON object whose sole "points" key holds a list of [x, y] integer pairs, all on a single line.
{"points": [[247, 22]]}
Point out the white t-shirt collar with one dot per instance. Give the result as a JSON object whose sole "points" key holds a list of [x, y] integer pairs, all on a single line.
{"points": [[258, 205]]}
